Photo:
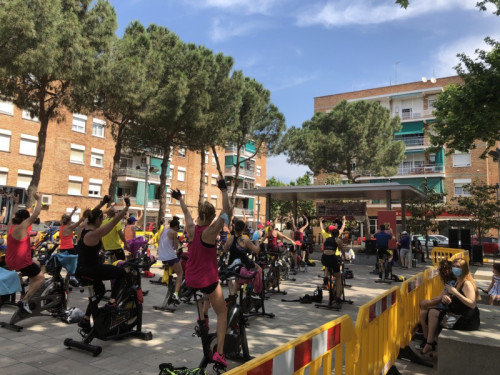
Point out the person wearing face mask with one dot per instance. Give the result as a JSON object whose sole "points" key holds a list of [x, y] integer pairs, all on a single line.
{"points": [[461, 300]]}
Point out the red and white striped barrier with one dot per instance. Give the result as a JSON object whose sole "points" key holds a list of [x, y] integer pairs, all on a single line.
{"points": [[382, 305]]}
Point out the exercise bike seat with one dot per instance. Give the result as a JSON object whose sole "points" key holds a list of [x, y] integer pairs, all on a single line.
{"points": [[85, 281]]}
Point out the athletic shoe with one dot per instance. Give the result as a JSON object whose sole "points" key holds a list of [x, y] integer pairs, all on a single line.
{"points": [[220, 359], [24, 305], [84, 324], [175, 299]]}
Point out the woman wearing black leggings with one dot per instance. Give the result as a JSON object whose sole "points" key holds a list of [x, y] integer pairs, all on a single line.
{"points": [[89, 245]]}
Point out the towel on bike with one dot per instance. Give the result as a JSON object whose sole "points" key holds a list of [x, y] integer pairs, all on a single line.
{"points": [[256, 281], [9, 282], [68, 261], [135, 244]]}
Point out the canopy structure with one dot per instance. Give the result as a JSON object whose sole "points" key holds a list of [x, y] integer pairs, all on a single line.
{"points": [[371, 191]]}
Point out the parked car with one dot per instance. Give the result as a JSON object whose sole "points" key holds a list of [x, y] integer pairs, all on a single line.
{"points": [[53, 224], [490, 244], [442, 241]]}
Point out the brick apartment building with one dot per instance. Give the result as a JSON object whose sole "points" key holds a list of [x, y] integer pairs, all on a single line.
{"points": [[413, 103], [78, 162]]}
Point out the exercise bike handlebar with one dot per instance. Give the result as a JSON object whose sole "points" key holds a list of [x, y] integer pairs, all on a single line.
{"points": [[224, 274]]}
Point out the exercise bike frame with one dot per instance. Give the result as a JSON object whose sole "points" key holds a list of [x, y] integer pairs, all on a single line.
{"points": [[109, 325]]}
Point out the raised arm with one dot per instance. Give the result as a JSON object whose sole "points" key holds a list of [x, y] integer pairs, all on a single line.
{"points": [[15, 207], [305, 225], [321, 224], [70, 228], [281, 236], [176, 194], [211, 233], [38, 208], [294, 228], [92, 238], [343, 226]]}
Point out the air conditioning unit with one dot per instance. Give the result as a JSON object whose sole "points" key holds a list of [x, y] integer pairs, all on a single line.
{"points": [[47, 199]]}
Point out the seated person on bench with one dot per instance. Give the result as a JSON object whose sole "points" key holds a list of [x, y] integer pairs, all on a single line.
{"points": [[18, 253], [238, 245], [331, 261], [89, 245]]}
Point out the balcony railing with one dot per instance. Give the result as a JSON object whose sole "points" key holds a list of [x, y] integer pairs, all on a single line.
{"points": [[240, 211], [411, 141], [152, 203], [421, 169], [414, 115], [243, 172], [239, 190], [137, 173], [243, 152]]}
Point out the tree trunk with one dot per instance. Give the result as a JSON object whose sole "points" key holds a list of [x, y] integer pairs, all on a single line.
{"points": [[163, 183], [40, 154], [236, 173], [219, 168], [116, 160], [202, 178]]}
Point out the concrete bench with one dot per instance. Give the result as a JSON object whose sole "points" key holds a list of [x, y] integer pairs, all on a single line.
{"points": [[472, 352]]}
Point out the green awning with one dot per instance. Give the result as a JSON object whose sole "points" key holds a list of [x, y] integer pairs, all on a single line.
{"points": [[435, 183], [416, 151], [414, 127], [410, 95]]}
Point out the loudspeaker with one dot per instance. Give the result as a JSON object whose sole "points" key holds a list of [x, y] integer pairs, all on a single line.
{"points": [[465, 239], [453, 238], [477, 254]]}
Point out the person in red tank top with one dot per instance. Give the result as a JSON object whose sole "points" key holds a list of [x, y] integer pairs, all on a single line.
{"points": [[299, 238], [18, 254], [66, 230], [201, 268]]}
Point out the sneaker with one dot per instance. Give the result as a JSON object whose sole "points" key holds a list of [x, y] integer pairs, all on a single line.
{"points": [[84, 324], [219, 359], [337, 305], [175, 299], [24, 305]]}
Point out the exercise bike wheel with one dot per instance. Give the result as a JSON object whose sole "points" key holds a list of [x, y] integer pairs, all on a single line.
{"points": [[130, 305]]}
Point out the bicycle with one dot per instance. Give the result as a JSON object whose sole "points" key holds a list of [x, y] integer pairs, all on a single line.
{"points": [[114, 324], [51, 299]]}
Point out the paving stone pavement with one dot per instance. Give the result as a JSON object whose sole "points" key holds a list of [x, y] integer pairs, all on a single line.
{"points": [[38, 348]]}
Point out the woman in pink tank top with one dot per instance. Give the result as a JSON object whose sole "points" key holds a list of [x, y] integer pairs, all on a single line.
{"points": [[66, 230], [201, 267]]}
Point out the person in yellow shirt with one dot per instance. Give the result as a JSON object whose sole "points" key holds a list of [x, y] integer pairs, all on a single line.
{"points": [[328, 234], [115, 239]]}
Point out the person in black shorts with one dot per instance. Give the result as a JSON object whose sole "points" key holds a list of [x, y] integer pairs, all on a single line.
{"points": [[331, 262]]}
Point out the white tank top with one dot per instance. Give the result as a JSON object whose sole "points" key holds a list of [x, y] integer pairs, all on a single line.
{"points": [[166, 249]]}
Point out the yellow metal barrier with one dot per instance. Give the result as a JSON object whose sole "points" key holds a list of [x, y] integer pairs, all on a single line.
{"points": [[312, 351], [378, 329], [440, 253]]}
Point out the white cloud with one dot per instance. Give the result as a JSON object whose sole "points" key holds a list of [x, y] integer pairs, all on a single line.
{"points": [[278, 168], [239, 6], [362, 12], [446, 56], [224, 30], [292, 81]]}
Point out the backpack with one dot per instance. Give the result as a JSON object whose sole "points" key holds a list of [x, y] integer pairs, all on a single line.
{"points": [[398, 278], [318, 295]]}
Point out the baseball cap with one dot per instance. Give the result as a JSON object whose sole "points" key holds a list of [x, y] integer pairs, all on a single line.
{"points": [[260, 226], [332, 227], [132, 219], [404, 232], [268, 222]]}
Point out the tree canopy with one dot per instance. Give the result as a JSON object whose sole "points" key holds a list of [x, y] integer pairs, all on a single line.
{"points": [[49, 50], [352, 140]]}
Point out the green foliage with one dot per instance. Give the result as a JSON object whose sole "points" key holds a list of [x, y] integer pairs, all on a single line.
{"points": [[403, 3], [51, 50], [481, 205], [284, 208], [472, 111], [352, 140], [424, 212]]}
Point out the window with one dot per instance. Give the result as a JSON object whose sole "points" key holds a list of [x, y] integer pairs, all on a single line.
{"points": [[95, 186], [5, 140], [77, 154], [75, 185], [98, 128], [79, 123], [206, 157], [182, 152], [125, 162], [168, 199], [27, 145], [258, 171], [171, 172], [205, 179], [458, 185], [7, 108], [181, 174], [214, 162], [97, 158], [213, 200], [27, 116], [214, 179], [461, 159], [23, 178], [76, 215], [3, 175], [406, 113]]}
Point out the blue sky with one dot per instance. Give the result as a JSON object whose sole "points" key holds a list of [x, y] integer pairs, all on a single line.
{"points": [[300, 49]]}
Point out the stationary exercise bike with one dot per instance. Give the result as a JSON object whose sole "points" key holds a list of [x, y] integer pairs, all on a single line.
{"points": [[115, 324], [331, 282], [185, 293], [384, 269], [235, 343], [51, 299]]}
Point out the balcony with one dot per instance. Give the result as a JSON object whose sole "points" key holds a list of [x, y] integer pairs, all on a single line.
{"points": [[239, 212], [243, 151], [239, 190], [414, 115], [152, 203], [420, 169], [231, 170], [412, 141], [138, 174]]}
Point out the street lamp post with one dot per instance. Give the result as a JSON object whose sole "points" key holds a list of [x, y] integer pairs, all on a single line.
{"points": [[146, 193], [495, 154]]}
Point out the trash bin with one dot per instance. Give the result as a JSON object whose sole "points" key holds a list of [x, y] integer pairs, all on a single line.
{"points": [[371, 246], [477, 254]]}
